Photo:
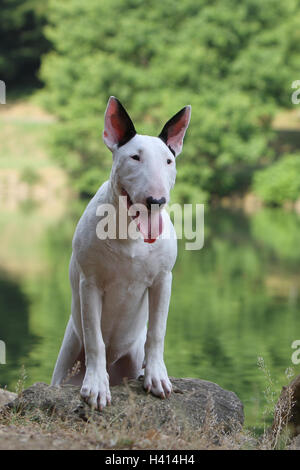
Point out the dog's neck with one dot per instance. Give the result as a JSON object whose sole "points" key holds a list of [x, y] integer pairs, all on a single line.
{"points": [[113, 192]]}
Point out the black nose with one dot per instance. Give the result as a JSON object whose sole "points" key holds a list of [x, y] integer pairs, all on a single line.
{"points": [[150, 200]]}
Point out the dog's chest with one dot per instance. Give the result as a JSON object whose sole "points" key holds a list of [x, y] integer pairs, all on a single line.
{"points": [[121, 262], [132, 265]]}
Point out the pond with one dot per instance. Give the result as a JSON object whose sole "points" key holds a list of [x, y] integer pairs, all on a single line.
{"points": [[233, 301]]}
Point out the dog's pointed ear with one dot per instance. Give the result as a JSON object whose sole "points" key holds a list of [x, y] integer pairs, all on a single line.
{"points": [[175, 129], [118, 127]]}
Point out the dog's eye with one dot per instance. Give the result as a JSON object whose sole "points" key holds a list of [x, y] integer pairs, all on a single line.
{"points": [[135, 157], [169, 161]]}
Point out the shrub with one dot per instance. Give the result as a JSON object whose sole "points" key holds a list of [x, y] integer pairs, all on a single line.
{"points": [[21, 41], [231, 60], [279, 182]]}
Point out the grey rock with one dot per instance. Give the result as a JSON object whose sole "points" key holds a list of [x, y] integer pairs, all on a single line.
{"points": [[295, 443], [6, 397], [193, 403]]}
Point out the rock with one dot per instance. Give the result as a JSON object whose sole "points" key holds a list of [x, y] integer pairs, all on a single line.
{"points": [[6, 397], [295, 443], [193, 403], [287, 410]]}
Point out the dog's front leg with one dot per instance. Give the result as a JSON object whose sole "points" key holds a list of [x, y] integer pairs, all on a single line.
{"points": [[95, 387], [156, 376]]}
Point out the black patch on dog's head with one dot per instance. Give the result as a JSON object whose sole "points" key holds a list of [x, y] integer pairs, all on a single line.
{"points": [[164, 135], [171, 150], [129, 129]]}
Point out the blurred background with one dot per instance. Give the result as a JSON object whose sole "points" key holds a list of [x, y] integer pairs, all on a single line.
{"points": [[234, 61]]}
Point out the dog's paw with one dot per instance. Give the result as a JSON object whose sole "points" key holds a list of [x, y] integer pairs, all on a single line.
{"points": [[95, 390], [156, 380]]}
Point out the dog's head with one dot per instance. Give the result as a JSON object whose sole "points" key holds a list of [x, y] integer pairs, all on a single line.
{"points": [[144, 168]]}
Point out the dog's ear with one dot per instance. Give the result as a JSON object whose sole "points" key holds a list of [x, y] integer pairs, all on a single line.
{"points": [[174, 131], [118, 127]]}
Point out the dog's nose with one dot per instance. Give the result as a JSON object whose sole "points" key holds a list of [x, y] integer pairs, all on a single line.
{"points": [[150, 200]]}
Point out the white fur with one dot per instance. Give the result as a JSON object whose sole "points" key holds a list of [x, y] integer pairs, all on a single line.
{"points": [[120, 285]]}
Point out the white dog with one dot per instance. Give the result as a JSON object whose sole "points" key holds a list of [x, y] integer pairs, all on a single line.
{"points": [[118, 285]]}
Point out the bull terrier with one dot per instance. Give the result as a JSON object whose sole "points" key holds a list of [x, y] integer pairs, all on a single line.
{"points": [[121, 284]]}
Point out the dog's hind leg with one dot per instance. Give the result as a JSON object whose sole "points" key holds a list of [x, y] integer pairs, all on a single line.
{"points": [[72, 349], [70, 352]]}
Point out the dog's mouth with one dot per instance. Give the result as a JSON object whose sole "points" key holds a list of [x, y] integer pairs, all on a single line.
{"points": [[149, 222]]}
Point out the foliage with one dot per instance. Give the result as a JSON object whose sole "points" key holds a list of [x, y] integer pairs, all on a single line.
{"points": [[278, 231], [233, 61], [21, 40], [279, 182], [30, 176]]}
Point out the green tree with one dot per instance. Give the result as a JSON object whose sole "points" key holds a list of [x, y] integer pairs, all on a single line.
{"points": [[21, 40], [233, 61], [279, 182]]}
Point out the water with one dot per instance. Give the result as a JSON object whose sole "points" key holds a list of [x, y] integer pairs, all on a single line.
{"points": [[235, 300]]}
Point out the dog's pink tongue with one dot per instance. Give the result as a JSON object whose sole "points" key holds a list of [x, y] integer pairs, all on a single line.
{"points": [[150, 225]]}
